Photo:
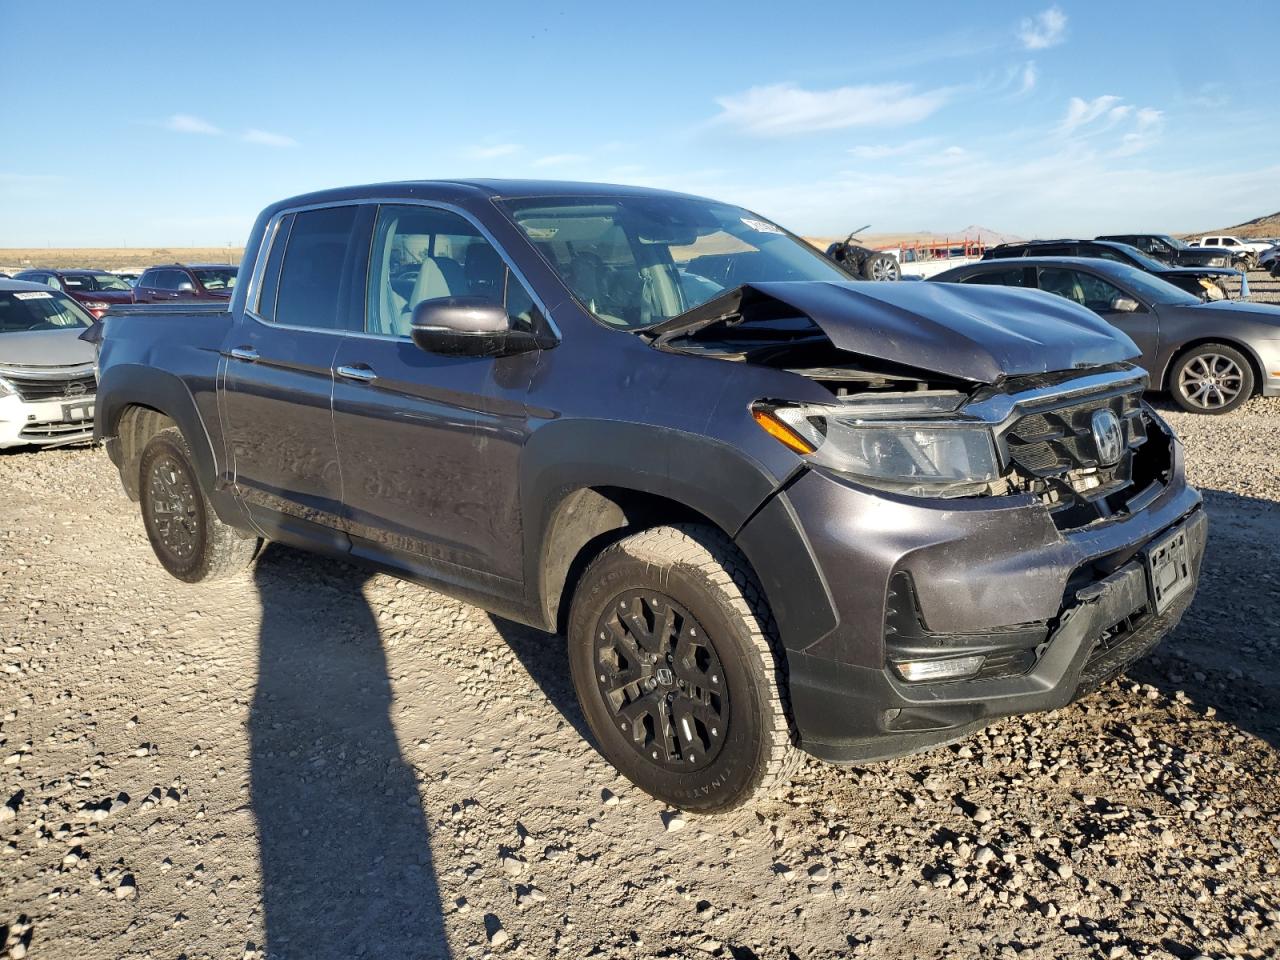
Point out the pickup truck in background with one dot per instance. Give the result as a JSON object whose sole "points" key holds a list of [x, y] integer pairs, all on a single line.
{"points": [[1243, 252], [767, 506], [1171, 250]]}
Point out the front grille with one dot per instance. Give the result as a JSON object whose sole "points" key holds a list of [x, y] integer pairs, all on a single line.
{"points": [[45, 387], [1052, 451], [1054, 442], [53, 384]]}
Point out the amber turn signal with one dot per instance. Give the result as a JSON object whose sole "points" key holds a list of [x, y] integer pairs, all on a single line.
{"points": [[781, 432]]}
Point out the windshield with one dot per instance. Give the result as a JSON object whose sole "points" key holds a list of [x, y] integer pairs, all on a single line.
{"points": [[93, 281], [1173, 242], [1152, 289], [637, 261], [216, 278], [24, 310]]}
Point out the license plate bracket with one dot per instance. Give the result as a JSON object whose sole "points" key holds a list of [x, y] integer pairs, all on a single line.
{"points": [[1168, 562], [73, 412]]}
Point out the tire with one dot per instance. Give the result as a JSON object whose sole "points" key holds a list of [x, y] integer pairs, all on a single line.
{"points": [[188, 538], [697, 626], [1212, 378], [881, 266]]}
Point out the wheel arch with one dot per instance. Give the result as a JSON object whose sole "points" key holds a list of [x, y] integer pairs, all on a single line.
{"points": [[1255, 362], [576, 507], [134, 403]]}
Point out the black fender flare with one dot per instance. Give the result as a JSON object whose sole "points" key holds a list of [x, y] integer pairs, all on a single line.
{"points": [[711, 478], [137, 385]]}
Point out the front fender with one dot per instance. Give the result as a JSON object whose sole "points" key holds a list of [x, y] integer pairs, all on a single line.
{"points": [[712, 478]]}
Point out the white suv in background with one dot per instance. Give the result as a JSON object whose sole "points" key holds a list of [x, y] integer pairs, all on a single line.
{"points": [[1247, 251], [47, 373]]}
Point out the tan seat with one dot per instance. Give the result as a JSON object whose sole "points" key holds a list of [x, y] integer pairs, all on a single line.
{"points": [[430, 284]]}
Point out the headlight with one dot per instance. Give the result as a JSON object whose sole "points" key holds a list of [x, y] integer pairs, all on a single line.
{"points": [[904, 443], [6, 389]]}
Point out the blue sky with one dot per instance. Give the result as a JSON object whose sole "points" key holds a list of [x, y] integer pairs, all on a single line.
{"points": [[145, 124]]}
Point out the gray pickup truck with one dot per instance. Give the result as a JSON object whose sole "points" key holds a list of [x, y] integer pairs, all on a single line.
{"points": [[770, 508]]}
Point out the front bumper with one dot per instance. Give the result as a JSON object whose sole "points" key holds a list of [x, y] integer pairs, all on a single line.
{"points": [[985, 576], [45, 423]]}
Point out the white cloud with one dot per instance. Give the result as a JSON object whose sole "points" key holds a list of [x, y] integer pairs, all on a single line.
{"points": [[1081, 113], [493, 151], [1047, 29], [1148, 126], [881, 151], [267, 138], [561, 160], [782, 109], [1029, 77], [186, 123]]}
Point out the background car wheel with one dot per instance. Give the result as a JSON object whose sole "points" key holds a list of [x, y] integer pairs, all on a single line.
{"points": [[672, 652], [188, 538], [881, 266], [1211, 378]]}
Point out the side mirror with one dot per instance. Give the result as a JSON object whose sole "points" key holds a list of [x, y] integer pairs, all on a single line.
{"points": [[468, 327], [186, 286], [1125, 305]]}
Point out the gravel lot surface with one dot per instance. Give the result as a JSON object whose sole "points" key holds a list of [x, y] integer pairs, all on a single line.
{"points": [[313, 761]]}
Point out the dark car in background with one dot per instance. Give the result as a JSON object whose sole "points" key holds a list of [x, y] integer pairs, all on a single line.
{"points": [[95, 290], [186, 281], [765, 504], [1206, 283], [1210, 356], [1171, 250]]}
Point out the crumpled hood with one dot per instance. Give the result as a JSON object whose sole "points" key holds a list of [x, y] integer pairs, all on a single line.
{"points": [[971, 332], [45, 348]]}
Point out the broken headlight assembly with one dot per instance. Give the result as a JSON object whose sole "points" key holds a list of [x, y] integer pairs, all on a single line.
{"points": [[906, 443]]}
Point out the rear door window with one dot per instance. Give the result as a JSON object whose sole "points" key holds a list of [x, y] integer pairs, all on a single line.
{"points": [[314, 272]]}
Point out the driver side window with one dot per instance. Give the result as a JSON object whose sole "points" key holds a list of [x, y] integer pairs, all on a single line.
{"points": [[423, 253], [1082, 288]]}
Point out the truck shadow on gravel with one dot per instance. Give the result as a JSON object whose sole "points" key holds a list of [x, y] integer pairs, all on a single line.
{"points": [[345, 848], [1225, 654]]}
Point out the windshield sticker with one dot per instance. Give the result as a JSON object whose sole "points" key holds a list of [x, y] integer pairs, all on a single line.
{"points": [[33, 295], [760, 226]]}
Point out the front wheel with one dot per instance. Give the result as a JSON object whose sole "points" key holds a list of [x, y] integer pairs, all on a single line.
{"points": [[672, 652], [1211, 378], [188, 538], [881, 266]]}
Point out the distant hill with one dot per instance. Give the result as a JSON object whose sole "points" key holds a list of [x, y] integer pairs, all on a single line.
{"points": [[1268, 226]]}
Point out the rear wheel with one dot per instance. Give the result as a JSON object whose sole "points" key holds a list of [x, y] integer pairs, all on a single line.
{"points": [[671, 648], [188, 538], [881, 266], [1211, 378]]}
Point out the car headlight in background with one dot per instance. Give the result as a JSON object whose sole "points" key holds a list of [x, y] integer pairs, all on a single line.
{"points": [[903, 443], [6, 388]]}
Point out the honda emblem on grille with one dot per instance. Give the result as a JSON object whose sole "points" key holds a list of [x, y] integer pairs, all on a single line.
{"points": [[1107, 437], [75, 389]]}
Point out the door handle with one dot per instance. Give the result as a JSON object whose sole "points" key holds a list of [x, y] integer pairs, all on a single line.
{"points": [[243, 353], [360, 372]]}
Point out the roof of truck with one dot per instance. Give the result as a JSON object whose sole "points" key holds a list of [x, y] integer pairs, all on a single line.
{"points": [[473, 189]]}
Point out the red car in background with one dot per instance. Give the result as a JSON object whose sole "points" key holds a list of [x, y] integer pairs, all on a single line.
{"points": [[185, 281], [95, 290]]}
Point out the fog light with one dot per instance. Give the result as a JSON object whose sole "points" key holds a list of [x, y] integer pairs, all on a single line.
{"points": [[957, 668]]}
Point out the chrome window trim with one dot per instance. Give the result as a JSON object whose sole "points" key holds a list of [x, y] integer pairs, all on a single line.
{"points": [[253, 292]]}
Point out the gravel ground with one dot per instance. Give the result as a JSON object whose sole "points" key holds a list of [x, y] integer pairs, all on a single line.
{"points": [[313, 761]]}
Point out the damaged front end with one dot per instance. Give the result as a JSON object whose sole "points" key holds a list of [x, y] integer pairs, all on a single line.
{"points": [[947, 392]]}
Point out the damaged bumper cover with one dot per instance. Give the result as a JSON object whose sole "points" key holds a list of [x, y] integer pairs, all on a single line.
{"points": [[852, 705]]}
